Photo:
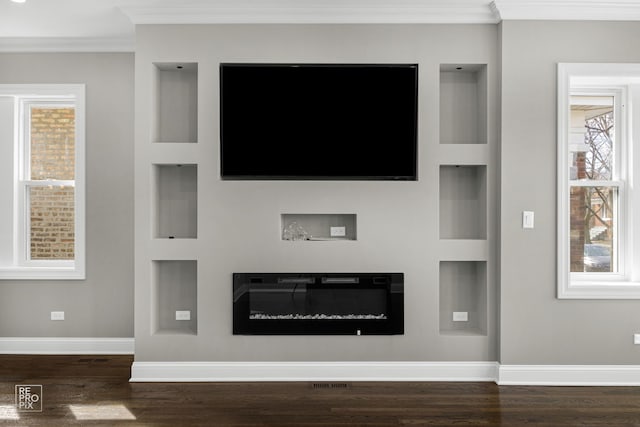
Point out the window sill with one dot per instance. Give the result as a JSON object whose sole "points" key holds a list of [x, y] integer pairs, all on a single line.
{"points": [[600, 290], [41, 273]]}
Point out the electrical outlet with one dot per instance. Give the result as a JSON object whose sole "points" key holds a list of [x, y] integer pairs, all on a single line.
{"points": [[460, 316], [183, 315], [338, 231], [57, 315], [636, 338]]}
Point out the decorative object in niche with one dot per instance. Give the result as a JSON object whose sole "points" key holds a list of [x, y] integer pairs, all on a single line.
{"points": [[295, 231]]}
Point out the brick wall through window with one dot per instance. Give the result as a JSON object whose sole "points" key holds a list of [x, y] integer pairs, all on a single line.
{"points": [[52, 206]]}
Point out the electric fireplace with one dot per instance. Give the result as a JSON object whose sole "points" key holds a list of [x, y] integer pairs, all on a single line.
{"points": [[318, 303]]}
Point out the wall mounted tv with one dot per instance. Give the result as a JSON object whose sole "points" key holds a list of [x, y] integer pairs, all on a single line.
{"points": [[318, 121]]}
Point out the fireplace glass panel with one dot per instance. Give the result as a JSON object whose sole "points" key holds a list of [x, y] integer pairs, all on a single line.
{"points": [[310, 304], [302, 301]]}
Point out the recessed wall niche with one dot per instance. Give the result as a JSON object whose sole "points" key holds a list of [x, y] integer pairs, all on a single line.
{"points": [[175, 289], [463, 291], [463, 104], [320, 227], [463, 202], [176, 102], [176, 201]]}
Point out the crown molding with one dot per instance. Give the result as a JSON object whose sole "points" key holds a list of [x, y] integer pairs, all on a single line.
{"points": [[323, 12], [328, 12], [571, 10], [65, 44]]}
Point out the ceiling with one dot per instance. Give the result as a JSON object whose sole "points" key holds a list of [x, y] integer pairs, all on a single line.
{"points": [[109, 25]]}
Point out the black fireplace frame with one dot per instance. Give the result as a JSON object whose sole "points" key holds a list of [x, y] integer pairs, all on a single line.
{"points": [[390, 283]]}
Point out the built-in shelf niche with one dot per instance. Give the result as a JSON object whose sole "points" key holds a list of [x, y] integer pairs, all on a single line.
{"points": [[463, 290], [463, 104], [318, 226], [463, 202], [176, 102], [175, 289], [176, 201]]}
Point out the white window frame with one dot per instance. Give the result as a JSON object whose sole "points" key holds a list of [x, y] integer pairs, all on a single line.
{"points": [[621, 80], [22, 267]]}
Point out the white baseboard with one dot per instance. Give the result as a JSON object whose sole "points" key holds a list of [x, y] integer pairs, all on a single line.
{"points": [[569, 375], [543, 375], [547, 375], [66, 345], [313, 371]]}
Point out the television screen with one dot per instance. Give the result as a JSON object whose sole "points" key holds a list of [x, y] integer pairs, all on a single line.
{"points": [[319, 121]]}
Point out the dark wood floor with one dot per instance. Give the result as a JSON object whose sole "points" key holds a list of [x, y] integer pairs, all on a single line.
{"points": [[97, 387]]}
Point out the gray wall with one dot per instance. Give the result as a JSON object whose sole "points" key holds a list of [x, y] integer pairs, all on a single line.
{"points": [[239, 221], [536, 328], [101, 305]]}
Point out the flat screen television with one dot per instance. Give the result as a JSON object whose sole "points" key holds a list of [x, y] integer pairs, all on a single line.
{"points": [[318, 121]]}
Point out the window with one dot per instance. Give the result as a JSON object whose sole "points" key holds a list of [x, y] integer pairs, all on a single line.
{"points": [[42, 188], [596, 182], [597, 236]]}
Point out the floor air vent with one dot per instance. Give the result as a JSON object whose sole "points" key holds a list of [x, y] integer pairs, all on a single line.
{"points": [[330, 386]]}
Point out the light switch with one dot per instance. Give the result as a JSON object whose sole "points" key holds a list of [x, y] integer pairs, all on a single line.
{"points": [[527, 219]]}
